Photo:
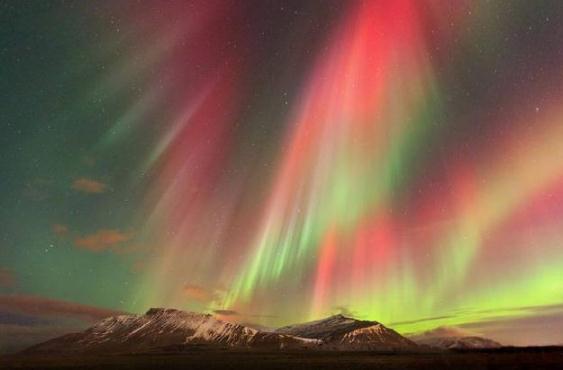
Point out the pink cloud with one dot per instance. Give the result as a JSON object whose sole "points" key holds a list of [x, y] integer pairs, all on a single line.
{"points": [[200, 294], [102, 240], [448, 331], [34, 319], [42, 306], [60, 230], [86, 185]]}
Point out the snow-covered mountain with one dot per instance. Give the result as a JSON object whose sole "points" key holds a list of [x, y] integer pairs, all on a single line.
{"points": [[344, 333], [469, 342], [165, 329], [169, 330]]}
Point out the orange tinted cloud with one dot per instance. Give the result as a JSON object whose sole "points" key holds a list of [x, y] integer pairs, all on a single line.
{"points": [[35, 319], [43, 306], [60, 229], [448, 331], [199, 294], [102, 240], [88, 185]]}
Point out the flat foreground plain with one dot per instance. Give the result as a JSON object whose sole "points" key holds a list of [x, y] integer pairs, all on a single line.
{"points": [[525, 358]]}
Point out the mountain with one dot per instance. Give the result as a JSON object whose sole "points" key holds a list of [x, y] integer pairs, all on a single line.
{"points": [[344, 333], [469, 342], [162, 329], [451, 337], [166, 330]]}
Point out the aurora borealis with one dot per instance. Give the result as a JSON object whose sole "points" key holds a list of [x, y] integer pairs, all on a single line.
{"points": [[280, 161]]}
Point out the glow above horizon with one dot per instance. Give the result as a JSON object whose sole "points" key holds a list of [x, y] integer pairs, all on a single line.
{"points": [[381, 159]]}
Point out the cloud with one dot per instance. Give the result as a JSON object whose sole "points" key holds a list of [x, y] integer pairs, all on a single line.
{"points": [[60, 230], [200, 294], [42, 306], [91, 186], [102, 240], [26, 320], [114, 240], [533, 325], [226, 312], [425, 319], [7, 278], [345, 311], [447, 331], [521, 326]]}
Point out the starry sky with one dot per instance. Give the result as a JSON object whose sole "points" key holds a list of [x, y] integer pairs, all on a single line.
{"points": [[279, 161]]}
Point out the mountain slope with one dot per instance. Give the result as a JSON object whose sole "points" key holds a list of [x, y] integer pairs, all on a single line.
{"points": [[165, 328], [344, 333]]}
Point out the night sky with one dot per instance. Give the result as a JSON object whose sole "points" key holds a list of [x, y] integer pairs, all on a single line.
{"points": [[280, 161]]}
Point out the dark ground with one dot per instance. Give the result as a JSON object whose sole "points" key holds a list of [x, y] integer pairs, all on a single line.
{"points": [[525, 358]]}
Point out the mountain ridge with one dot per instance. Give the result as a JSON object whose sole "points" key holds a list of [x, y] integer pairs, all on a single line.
{"points": [[160, 329], [346, 333]]}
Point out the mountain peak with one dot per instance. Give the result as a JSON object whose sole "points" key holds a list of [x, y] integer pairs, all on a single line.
{"points": [[340, 331], [346, 319]]}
